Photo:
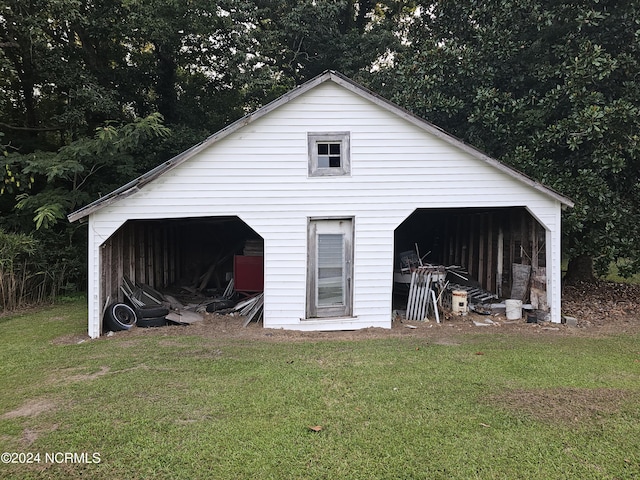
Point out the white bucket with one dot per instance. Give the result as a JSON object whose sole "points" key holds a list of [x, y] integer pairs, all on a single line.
{"points": [[514, 309], [459, 302]]}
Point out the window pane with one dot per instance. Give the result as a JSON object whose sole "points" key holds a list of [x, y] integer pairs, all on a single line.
{"points": [[334, 148], [334, 162], [330, 270], [323, 149], [323, 161]]}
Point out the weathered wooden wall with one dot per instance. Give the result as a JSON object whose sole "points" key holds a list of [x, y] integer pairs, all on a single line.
{"points": [[487, 243], [147, 252], [161, 253]]}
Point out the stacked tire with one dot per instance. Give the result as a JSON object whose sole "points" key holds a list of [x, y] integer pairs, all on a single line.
{"points": [[119, 316], [152, 316]]}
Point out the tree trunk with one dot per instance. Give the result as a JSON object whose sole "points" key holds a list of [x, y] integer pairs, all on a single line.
{"points": [[166, 83], [580, 269]]}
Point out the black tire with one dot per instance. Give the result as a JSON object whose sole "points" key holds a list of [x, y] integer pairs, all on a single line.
{"points": [[152, 322], [152, 311], [119, 316]]}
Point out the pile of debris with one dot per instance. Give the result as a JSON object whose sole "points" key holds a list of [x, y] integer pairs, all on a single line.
{"points": [[147, 307], [437, 290]]}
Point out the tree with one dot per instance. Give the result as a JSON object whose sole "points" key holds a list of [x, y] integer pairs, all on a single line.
{"points": [[550, 88], [300, 39], [81, 85]]}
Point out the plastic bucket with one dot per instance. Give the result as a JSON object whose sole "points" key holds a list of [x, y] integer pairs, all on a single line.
{"points": [[459, 302], [514, 309]]}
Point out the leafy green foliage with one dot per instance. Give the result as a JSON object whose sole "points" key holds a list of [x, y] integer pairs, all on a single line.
{"points": [[550, 88], [64, 175]]}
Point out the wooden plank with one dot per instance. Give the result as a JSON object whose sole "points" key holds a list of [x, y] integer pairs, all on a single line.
{"points": [[500, 261], [141, 259], [539, 289], [520, 284], [149, 254], [512, 244], [158, 264], [481, 246], [106, 266], [131, 264], [524, 241], [533, 232], [451, 246], [120, 260], [458, 247], [490, 260], [165, 257], [472, 243]]}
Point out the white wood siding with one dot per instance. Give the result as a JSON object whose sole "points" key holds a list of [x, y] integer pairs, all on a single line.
{"points": [[260, 173]]}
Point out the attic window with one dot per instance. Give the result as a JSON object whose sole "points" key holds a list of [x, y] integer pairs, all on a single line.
{"points": [[329, 154]]}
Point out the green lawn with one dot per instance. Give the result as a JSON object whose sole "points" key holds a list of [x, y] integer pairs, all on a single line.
{"points": [[187, 407]]}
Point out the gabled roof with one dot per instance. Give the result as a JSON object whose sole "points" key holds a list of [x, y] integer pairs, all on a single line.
{"points": [[136, 184]]}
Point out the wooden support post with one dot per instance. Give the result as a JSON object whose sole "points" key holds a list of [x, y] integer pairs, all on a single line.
{"points": [[451, 245], [500, 261], [472, 243], [106, 266], [165, 256], [119, 262], [157, 257], [131, 236], [140, 276], [481, 250], [458, 246], [149, 249], [490, 262], [533, 232]]}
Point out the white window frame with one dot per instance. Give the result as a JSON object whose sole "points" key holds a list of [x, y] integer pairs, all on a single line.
{"points": [[343, 138], [320, 226]]}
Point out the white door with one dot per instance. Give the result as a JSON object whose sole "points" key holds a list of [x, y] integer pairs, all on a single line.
{"points": [[329, 292]]}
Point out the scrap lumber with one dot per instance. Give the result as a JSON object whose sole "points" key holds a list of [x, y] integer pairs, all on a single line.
{"points": [[184, 317], [130, 296], [140, 294], [228, 292], [151, 294], [475, 295], [251, 308]]}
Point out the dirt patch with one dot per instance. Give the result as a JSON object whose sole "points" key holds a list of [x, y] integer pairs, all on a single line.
{"points": [[86, 377], [565, 405], [30, 435], [30, 408]]}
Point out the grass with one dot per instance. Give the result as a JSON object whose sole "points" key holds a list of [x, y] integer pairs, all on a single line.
{"points": [[613, 275], [165, 407]]}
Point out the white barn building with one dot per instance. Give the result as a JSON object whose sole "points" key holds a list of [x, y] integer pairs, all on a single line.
{"points": [[334, 182]]}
